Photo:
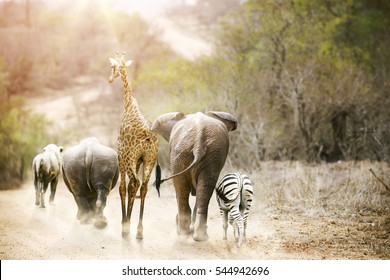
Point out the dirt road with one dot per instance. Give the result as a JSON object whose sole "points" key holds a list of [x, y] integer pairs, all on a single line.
{"points": [[29, 232]]}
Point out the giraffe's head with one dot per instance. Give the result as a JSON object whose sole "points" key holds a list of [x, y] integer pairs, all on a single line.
{"points": [[118, 64]]}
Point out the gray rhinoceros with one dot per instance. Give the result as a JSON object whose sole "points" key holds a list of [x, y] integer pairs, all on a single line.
{"points": [[46, 169], [90, 171]]}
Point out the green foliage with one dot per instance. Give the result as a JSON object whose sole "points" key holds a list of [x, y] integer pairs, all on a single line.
{"points": [[298, 75], [21, 133]]}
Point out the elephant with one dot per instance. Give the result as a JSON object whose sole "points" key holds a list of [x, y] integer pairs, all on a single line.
{"points": [[46, 169], [90, 171], [199, 145]]}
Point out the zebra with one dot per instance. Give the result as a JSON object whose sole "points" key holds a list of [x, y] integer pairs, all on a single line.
{"points": [[234, 195]]}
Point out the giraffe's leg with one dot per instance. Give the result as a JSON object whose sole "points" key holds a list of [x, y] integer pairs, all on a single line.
{"points": [[122, 192], [144, 189], [132, 189]]}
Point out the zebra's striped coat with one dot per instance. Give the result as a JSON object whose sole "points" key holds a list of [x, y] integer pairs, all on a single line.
{"points": [[234, 197]]}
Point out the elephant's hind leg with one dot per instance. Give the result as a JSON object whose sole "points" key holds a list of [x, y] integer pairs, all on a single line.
{"points": [[204, 191], [183, 218]]}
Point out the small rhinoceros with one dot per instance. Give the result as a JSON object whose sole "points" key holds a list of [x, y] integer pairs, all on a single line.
{"points": [[46, 169]]}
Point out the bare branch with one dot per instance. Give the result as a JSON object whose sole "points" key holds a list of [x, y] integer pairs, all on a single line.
{"points": [[380, 180]]}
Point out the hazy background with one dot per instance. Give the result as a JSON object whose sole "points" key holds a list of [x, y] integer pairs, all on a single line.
{"points": [[308, 81]]}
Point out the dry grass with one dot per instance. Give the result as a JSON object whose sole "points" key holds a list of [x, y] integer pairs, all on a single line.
{"points": [[344, 188], [332, 211]]}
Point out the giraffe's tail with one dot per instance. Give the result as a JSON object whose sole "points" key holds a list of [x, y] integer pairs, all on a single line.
{"points": [[158, 181]]}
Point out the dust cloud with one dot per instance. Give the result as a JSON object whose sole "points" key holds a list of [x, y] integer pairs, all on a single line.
{"points": [[32, 233]]}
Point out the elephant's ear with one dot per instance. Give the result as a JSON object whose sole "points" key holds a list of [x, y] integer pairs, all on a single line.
{"points": [[228, 119], [163, 124]]}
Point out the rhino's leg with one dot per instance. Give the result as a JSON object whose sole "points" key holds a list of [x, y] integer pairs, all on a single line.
{"points": [[37, 193], [53, 188], [42, 191], [84, 212], [100, 204]]}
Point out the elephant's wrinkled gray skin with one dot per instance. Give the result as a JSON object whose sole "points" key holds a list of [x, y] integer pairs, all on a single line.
{"points": [[46, 169], [90, 171], [199, 145]]}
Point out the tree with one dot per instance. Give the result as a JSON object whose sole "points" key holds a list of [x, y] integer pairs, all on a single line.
{"points": [[290, 55], [21, 133]]}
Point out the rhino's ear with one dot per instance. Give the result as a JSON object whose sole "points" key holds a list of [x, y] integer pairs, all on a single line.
{"points": [[228, 119], [163, 124], [61, 149]]}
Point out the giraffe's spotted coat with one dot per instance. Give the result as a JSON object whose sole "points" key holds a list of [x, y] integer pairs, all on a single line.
{"points": [[136, 144]]}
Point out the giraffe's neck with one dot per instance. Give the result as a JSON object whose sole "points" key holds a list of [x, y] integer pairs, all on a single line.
{"points": [[132, 110], [127, 91]]}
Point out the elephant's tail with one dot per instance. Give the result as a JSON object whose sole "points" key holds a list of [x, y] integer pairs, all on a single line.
{"points": [[198, 154], [199, 150], [88, 167]]}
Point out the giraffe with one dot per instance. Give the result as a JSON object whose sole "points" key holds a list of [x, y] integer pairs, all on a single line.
{"points": [[136, 144]]}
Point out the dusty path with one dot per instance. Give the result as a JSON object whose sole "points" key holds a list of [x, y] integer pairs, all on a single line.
{"points": [[29, 232]]}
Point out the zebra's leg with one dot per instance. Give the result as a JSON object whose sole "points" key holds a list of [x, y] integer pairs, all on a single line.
{"points": [[224, 215], [244, 213], [234, 216], [240, 229], [233, 222], [246, 201], [244, 234]]}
